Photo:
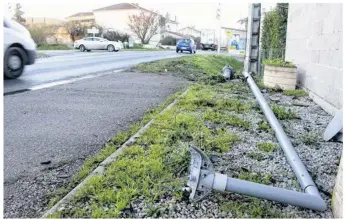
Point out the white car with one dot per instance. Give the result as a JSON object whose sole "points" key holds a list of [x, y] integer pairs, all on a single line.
{"points": [[96, 43], [19, 49]]}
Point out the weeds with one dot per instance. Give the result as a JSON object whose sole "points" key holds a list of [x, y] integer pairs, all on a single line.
{"points": [[251, 208], [256, 156], [218, 117], [295, 93], [266, 147], [283, 114], [310, 138], [256, 177], [264, 126]]}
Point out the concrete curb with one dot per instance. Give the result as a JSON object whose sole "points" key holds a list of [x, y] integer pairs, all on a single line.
{"points": [[101, 168]]}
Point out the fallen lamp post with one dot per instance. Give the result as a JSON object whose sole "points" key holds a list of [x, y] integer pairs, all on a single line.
{"points": [[203, 179]]}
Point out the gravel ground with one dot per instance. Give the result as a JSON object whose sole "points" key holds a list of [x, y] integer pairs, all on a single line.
{"points": [[321, 159]]}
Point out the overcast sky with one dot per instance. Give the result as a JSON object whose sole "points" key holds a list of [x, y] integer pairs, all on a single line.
{"points": [[189, 12]]}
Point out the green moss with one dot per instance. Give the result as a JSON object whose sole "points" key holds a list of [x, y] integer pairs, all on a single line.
{"points": [[256, 177], [264, 126], [295, 93], [283, 114], [310, 138], [256, 156], [230, 119], [266, 147]]}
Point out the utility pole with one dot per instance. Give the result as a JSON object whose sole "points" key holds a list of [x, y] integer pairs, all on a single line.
{"points": [[251, 62], [218, 17]]}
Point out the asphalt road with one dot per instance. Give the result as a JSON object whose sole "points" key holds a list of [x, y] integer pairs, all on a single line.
{"points": [[63, 125], [64, 65]]}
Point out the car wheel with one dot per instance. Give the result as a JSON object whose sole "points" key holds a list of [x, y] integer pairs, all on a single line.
{"points": [[89, 50], [190, 51], [14, 62], [111, 48], [194, 51], [82, 48], [176, 50]]}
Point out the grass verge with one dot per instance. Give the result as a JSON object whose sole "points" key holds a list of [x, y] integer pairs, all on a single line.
{"points": [[149, 169], [53, 47], [195, 68]]}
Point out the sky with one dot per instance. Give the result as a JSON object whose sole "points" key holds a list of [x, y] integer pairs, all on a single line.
{"points": [[200, 13]]}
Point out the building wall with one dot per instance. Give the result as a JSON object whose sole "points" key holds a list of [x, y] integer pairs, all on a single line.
{"points": [[314, 43], [117, 20], [191, 32]]}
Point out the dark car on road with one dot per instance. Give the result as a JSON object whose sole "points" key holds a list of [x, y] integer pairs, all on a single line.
{"points": [[186, 45]]}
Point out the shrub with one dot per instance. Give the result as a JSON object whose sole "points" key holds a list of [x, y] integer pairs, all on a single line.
{"points": [[278, 63], [116, 36], [169, 41]]}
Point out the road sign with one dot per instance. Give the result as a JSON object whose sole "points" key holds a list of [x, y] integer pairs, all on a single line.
{"points": [[94, 31], [130, 42], [229, 33]]}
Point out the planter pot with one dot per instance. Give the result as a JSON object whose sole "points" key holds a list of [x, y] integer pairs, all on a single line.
{"points": [[283, 77]]}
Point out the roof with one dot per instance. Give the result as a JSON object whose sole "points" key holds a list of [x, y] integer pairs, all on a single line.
{"points": [[121, 6], [192, 28], [81, 14], [229, 28], [127, 6], [175, 33]]}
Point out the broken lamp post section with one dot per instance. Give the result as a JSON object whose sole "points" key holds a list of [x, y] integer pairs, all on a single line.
{"points": [[203, 178]]}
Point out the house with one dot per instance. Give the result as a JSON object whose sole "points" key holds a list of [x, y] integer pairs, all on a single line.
{"points": [[172, 34], [190, 31], [116, 17], [83, 17]]}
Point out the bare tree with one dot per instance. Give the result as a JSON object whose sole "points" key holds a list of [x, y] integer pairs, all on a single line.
{"points": [[74, 29], [145, 25], [18, 14]]}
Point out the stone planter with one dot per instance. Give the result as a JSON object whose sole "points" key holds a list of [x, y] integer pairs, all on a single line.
{"points": [[283, 77]]}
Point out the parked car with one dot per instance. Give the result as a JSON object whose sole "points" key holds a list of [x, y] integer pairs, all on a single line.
{"points": [[96, 43], [186, 44], [19, 49]]}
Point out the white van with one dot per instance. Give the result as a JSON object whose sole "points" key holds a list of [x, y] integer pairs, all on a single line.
{"points": [[19, 49]]}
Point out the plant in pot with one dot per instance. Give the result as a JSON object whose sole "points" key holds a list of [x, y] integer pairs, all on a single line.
{"points": [[279, 73]]}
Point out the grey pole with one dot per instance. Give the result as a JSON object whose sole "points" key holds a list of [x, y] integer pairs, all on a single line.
{"points": [[304, 200], [298, 167]]}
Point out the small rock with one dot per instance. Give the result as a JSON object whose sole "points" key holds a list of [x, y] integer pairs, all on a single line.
{"points": [[275, 99], [46, 162]]}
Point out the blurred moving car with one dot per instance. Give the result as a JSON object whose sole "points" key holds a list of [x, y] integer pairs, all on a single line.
{"points": [[19, 49], [186, 44], [96, 43]]}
